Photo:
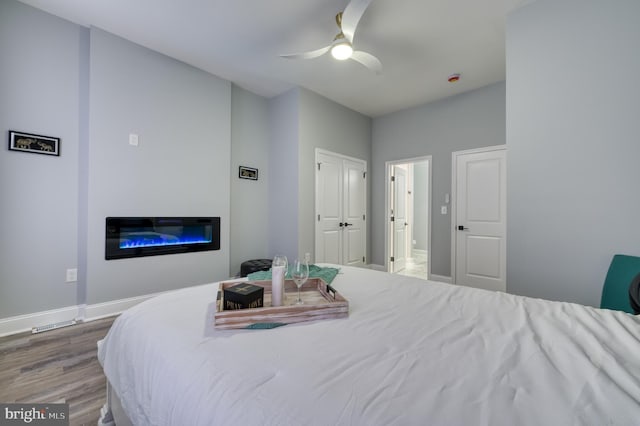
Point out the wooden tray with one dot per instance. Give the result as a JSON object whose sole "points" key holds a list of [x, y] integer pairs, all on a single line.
{"points": [[320, 302]]}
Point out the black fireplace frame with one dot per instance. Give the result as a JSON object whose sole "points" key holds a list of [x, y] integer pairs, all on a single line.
{"points": [[115, 226]]}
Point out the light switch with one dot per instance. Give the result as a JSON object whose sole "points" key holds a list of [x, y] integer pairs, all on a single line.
{"points": [[133, 139], [72, 275], [443, 210], [446, 198]]}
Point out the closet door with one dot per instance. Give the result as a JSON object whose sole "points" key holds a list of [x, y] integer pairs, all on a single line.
{"points": [[354, 232], [329, 202], [341, 201]]}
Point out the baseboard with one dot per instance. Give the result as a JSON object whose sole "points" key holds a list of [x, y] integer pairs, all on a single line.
{"points": [[419, 253], [114, 307], [376, 267], [441, 278], [22, 323]]}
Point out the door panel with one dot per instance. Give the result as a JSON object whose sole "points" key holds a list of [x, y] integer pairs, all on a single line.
{"points": [[483, 256], [330, 183], [354, 249], [483, 191], [399, 255], [480, 254], [330, 251]]}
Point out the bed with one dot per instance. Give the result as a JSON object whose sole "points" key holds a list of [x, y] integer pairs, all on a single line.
{"points": [[411, 352]]}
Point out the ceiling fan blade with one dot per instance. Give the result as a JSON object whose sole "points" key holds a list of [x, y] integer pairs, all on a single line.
{"points": [[351, 16], [308, 55], [368, 60]]}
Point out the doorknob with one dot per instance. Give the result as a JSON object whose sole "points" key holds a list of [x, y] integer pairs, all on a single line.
{"points": [[348, 224], [462, 228], [341, 224]]}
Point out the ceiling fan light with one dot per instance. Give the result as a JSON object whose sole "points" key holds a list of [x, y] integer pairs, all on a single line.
{"points": [[342, 50]]}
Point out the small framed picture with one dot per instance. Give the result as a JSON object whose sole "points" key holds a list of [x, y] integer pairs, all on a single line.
{"points": [[248, 173], [37, 144]]}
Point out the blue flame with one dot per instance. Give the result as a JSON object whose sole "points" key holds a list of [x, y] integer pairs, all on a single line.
{"points": [[153, 239]]}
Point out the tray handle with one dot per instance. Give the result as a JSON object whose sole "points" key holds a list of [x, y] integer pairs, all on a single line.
{"points": [[331, 291]]}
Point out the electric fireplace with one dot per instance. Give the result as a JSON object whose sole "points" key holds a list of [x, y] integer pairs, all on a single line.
{"points": [[150, 236]]}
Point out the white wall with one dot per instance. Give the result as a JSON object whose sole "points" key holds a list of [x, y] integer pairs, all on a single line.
{"points": [[39, 93], [249, 198], [470, 120], [180, 168], [573, 137]]}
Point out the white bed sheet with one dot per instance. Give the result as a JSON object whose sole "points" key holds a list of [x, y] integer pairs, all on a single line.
{"points": [[411, 352]]}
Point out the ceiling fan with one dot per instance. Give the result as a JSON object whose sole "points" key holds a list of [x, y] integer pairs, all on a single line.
{"points": [[342, 48]]}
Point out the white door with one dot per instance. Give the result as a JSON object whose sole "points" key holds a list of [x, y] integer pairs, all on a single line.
{"points": [[340, 210], [480, 218], [354, 210], [399, 218], [329, 202]]}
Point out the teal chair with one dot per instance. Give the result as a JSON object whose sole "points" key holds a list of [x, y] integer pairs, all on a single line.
{"points": [[615, 293]]}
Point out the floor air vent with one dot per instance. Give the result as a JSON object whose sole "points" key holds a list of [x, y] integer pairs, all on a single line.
{"points": [[53, 326]]}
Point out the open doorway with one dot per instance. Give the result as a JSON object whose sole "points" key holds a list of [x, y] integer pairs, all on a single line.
{"points": [[408, 218]]}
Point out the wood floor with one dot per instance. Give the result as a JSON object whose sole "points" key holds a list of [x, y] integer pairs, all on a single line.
{"points": [[58, 366]]}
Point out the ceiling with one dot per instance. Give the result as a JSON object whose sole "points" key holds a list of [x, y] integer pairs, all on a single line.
{"points": [[419, 42]]}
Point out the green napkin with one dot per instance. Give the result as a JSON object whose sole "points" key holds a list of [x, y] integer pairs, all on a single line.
{"points": [[264, 325], [326, 274]]}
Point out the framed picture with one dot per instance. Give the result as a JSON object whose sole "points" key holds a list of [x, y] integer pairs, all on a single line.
{"points": [[37, 144], [248, 173]]}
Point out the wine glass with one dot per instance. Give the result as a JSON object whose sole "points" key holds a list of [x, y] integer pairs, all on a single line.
{"points": [[300, 274]]}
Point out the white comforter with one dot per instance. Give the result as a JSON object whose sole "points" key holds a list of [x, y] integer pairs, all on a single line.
{"points": [[411, 352]]}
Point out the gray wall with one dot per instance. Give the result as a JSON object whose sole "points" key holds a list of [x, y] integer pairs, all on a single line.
{"points": [[92, 89], [180, 168], [302, 121], [283, 174], [249, 199], [470, 120], [572, 134], [39, 93], [195, 130], [330, 126]]}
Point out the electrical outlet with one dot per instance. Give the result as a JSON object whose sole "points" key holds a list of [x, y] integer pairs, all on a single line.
{"points": [[72, 275]]}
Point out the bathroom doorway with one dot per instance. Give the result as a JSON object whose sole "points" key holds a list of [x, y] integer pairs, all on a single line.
{"points": [[408, 219]]}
